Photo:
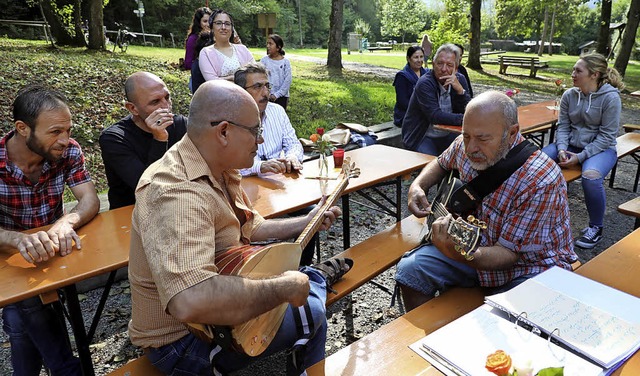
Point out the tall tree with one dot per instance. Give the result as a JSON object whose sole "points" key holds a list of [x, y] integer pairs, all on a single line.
{"points": [[474, 44], [544, 29], [605, 20], [58, 29], [96, 25], [629, 37], [552, 29], [334, 55], [399, 18]]}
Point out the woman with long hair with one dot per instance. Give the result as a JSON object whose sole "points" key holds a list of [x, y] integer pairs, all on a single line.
{"points": [[221, 59], [588, 125], [279, 69], [200, 23]]}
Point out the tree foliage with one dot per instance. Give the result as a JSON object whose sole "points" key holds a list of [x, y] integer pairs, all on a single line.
{"points": [[453, 25], [398, 18]]}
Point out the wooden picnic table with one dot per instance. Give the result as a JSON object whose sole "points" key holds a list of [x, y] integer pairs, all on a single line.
{"points": [[386, 351], [279, 194], [105, 248], [533, 118]]}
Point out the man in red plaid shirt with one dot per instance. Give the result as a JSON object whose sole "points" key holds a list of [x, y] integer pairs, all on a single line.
{"points": [[37, 159], [527, 216]]}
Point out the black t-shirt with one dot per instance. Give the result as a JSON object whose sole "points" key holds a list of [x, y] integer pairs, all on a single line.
{"points": [[127, 151]]}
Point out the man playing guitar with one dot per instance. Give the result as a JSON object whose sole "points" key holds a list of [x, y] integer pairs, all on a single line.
{"points": [[527, 216]]}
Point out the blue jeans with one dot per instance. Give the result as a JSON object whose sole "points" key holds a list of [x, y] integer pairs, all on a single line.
{"points": [[37, 336], [190, 356], [594, 193], [426, 270], [435, 145]]}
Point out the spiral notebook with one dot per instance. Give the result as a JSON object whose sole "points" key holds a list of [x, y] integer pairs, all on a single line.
{"points": [[558, 318], [461, 347]]}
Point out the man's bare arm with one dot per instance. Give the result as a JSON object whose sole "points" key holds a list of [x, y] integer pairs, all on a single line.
{"points": [[62, 233], [232, 300]]}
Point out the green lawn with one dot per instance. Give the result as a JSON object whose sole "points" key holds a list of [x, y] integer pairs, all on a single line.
{"points": [[93, 82]]}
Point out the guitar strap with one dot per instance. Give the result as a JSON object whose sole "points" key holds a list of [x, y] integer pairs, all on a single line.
{"points": [[468, 197]]}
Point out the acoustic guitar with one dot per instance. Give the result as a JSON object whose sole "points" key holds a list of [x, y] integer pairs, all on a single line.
{"points": [[263, 261], [465, 234]]}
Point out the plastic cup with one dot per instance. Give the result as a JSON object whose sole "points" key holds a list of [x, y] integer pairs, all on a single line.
{"points": [[338, 157]]}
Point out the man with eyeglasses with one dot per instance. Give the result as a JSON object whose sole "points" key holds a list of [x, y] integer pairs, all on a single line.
{"points": [[141, 138], [281, 150], [440, 97], [190, 206]]}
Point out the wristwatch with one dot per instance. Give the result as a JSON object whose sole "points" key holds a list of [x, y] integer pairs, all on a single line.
{"points": [[464, 91]]}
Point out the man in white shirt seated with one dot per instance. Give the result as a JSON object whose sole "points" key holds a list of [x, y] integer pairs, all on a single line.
{"points": [[281, 150]]}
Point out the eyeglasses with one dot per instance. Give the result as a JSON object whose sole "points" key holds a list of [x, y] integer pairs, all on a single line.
{"points": [[259, 86], [219, 24], [255, 131]]}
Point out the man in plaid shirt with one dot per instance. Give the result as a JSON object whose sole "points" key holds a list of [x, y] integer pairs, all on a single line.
{"points": [[37, 159], [527, 217]]}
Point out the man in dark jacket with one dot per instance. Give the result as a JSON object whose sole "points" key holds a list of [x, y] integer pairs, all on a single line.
{"points": [[440, 97], [141, 138]]}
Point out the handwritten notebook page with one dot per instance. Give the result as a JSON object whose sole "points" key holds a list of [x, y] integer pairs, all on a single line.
{"points": [[602, 336], [461, 347]]}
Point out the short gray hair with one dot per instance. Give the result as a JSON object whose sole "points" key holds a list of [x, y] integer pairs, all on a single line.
{"points": [[240, 76], [449, 48]]}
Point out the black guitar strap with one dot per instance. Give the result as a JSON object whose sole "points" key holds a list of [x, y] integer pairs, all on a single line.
{"points": [[466, 198]]}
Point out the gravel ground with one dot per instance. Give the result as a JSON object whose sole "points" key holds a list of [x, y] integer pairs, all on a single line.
{"points": [[367, 308]]}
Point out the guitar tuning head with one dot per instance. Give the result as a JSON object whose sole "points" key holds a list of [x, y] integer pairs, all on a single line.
{"points": [[482, 225]]}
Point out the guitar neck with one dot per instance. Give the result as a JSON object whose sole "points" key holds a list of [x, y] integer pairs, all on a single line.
{"points": [[315, 223]]}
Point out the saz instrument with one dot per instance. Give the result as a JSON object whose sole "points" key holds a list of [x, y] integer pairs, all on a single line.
{"points": [[465, 234], [263, 261]]}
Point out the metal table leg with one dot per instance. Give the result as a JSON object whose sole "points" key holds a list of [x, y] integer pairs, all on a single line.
{"points": [[77, 324]]}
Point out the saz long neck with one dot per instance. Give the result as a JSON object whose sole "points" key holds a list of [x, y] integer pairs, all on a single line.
{"points": [[313, 226]]}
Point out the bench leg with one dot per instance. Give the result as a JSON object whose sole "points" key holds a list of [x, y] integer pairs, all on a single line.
{"points": [[637, 223], [635, 184], [613, 174]]}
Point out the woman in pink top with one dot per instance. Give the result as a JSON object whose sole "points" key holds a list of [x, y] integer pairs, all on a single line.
{"points": [[222, 59]]}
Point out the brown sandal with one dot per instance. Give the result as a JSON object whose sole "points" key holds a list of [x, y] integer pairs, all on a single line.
{"points": [[333, 269]]}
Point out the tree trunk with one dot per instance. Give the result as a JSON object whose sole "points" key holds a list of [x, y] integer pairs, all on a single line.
{"points": [[605, 20], [473, 61], [629, 37], [553, 26], [59, 32], [78, 40], [96, 25], [544, 30], [334, 55]]}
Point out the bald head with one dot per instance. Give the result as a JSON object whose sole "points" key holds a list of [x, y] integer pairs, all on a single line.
{"points": [[219, 100], [491, 102], [138, 83]]}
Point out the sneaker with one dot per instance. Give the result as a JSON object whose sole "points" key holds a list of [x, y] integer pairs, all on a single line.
{"points": [[590, 238]]}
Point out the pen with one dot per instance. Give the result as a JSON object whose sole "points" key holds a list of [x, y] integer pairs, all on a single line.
{"points": [[443, 362]]}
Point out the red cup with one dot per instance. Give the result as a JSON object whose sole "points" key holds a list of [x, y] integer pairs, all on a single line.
{"points": [[338, 158]]}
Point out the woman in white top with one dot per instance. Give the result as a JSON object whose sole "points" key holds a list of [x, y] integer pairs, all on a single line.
{"points": [[222, 59], [279, 69]]}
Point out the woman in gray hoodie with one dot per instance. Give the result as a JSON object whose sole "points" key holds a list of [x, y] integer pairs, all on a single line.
{"points": [[586, 134]]}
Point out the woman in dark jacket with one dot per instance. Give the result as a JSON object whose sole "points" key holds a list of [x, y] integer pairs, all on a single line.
{"points": [[406, 80]]}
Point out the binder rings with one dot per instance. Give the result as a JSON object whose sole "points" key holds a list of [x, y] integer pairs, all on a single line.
{"points": [[557, 319]]}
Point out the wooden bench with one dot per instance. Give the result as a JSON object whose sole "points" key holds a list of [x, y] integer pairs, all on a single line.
{"points": [[631, 208], [371, 257], [533, 63], [381, 48], [628, 144], [631, 127]]}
